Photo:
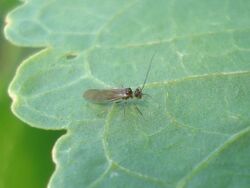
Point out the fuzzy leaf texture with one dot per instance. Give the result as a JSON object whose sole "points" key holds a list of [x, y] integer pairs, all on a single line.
{"points": [[195, 129]]}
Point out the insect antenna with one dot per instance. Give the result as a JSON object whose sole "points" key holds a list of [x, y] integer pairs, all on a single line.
{"points": [[149, 67]]}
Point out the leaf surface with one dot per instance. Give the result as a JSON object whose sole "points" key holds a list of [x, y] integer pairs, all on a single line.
{"points": [[195, 127]]}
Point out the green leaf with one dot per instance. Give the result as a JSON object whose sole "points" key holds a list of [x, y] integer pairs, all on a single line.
{"points": [[195, 127]]}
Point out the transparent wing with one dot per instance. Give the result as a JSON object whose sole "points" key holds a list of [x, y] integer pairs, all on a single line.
{"points": [[105, 95]]}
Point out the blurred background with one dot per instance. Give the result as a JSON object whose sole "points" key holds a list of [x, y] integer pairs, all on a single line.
{"points": [[25, 152]]}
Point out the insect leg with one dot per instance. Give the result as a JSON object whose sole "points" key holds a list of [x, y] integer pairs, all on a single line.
{"points": [[124, 108], [138, 110]]}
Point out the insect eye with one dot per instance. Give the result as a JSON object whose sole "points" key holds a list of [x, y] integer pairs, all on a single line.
{"points": [[138, 90]]}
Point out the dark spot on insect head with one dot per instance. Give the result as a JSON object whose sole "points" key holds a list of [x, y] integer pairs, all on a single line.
{"points": [[138, 93]]}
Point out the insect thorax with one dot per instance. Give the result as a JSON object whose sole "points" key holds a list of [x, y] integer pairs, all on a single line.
{"points": [[128, 93]]}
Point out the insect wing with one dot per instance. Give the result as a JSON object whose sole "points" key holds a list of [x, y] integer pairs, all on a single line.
{"points": [[107, 95]]}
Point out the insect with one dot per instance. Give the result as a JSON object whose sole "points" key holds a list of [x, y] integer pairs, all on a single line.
{"points": [[117, 95]]}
